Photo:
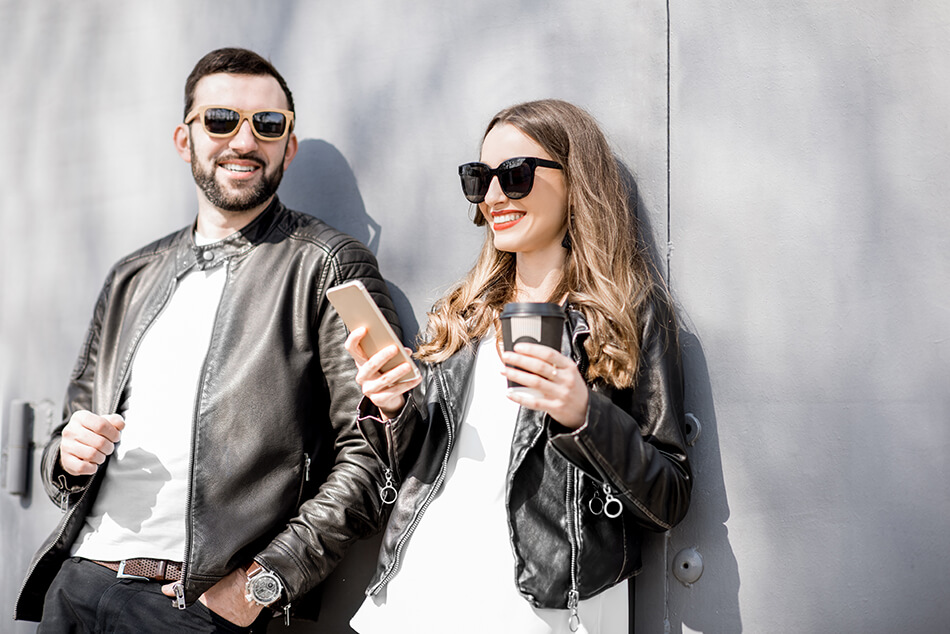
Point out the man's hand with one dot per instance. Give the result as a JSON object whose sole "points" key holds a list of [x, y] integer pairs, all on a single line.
{"points": [[87, 440], [226, 599]]}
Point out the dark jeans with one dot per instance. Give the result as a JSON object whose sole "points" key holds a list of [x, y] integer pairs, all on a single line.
{"points": [[87, 597]]}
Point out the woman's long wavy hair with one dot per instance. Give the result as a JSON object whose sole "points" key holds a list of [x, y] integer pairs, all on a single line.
{"points": [[606, 273]]}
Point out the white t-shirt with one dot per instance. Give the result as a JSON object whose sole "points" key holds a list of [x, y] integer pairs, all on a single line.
{"points": [[141, 508], [457, 572]]}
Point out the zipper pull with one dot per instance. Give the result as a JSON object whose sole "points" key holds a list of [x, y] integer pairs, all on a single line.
{"points": [[596, 505], [179, 601], [612, 506], [387, 492], [287, 615], [306, 470], [574, 622], [64, 493]]}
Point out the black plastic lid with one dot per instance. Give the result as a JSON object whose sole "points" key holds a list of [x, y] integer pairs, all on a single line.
{"points": [[542, 309]]}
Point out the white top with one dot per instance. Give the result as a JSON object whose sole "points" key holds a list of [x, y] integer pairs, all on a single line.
{"points": [[457, 573], [140, 510]]}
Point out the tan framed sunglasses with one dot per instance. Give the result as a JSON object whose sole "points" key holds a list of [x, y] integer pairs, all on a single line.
{"points": [[223, 121]]}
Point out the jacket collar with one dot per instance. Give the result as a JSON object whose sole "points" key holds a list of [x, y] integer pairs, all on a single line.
{"points": [[189, 255], [576, 333]]}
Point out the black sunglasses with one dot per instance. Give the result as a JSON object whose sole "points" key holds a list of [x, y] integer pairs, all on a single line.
{"points": [[515, 176], [222, 121]]}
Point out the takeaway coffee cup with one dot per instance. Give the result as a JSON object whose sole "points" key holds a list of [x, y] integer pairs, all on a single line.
{"points": [[533, 322]]}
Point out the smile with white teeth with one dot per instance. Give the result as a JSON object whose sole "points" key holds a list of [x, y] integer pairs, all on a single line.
{"points": [[231, 167], [506, 218]]}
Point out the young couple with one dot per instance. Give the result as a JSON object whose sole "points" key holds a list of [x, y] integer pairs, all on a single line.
{"points": [[209, 462]]}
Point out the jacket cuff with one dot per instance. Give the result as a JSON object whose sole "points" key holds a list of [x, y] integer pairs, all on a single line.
{"points": [[390, 439], [60, 485]]}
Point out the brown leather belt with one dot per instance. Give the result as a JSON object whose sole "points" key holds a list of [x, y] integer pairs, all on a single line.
{"points": [[155, 569]]}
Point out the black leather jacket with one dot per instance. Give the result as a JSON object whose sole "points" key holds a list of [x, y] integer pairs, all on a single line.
{"points": [[632, 449], [280, 473]]}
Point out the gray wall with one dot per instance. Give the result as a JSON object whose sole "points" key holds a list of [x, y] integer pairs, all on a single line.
{"points": [[792, 162]]}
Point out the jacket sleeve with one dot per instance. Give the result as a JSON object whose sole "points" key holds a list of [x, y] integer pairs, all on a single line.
{"points": [[58, 484], [634, 439], [396, 442], [347, 505]]}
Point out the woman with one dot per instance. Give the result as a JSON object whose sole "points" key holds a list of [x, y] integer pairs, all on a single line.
{"points": [[522, 512]]}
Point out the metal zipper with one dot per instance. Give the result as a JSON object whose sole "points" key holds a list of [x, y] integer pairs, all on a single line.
{"points": [[440, 479], [64, 489], [59, 536], [391, 445], [609, 506], [573, 517], [179, 586], [305, 477], [179, 589], [388, 492]]}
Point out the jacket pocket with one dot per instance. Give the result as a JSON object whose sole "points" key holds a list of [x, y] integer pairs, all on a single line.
{"points": [[304, 478]]}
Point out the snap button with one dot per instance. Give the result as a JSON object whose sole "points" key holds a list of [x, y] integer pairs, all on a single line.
{"points": [[208, 256]]}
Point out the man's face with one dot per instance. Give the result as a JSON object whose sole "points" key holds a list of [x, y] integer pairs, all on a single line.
{"points": [[239, 172]]}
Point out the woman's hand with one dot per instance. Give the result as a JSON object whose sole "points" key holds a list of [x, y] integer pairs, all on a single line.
{"points": [[561, 390], [384, 390]]}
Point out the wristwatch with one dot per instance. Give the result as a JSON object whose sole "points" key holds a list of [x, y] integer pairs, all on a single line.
{"points": [[263, 586]]}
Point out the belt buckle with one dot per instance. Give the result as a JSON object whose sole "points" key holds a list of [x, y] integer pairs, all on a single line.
{"points": [[120, 573]]}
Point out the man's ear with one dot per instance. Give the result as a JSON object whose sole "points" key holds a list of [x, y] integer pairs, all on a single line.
{"points": [[180, 138], [291, 151]]}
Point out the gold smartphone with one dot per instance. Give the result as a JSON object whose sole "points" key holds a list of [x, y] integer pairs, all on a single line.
{"points": [[357, 309]]}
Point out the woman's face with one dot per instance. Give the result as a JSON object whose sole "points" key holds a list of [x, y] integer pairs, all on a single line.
{"points": [[537, 222]]}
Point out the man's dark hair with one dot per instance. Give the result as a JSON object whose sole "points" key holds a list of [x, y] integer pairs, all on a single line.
{"points": [[236, 61]]}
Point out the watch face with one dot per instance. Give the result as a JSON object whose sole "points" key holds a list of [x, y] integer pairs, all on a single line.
{"points": [[265, 588]]}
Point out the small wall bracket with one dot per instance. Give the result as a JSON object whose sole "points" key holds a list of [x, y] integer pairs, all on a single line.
{"points": [[688, 566], [17, 441]]}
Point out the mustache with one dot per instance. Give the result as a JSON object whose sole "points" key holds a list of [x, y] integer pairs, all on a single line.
{"points": [[231, 155]]}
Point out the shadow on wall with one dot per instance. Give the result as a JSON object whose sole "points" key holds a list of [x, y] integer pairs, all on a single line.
{"points": [[710, 603], [321, 183], [646, 236]]}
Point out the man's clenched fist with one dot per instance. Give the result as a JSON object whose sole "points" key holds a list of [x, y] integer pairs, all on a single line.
{"points": [[87, 439]]}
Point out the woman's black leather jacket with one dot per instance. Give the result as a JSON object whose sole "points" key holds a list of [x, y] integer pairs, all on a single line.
{"points": [[561, 485], [280, 473]]}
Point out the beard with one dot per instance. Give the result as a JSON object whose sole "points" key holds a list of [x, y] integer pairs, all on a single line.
{"points": [[241, 200]]}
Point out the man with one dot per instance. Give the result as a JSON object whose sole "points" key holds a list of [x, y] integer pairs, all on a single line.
{"points": [[210, 451]]}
